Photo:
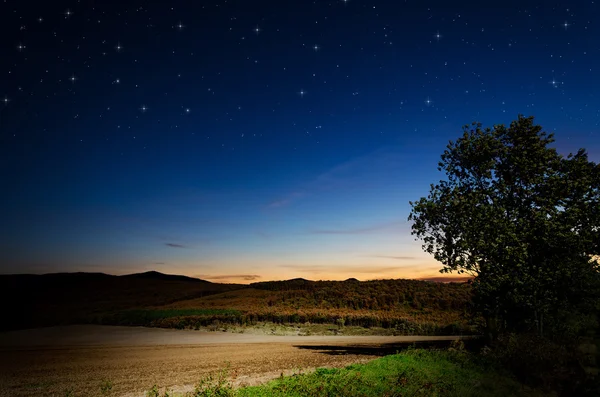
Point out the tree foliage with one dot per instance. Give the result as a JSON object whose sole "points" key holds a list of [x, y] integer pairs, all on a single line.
{"points": [[520, 218]]}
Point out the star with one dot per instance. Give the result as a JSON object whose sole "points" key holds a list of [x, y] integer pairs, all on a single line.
{"points": [[428, 101], [117, 81], [143, 108], [257, 30], [20, 47], [566, 25], [302, 93], [118, 47], [68, 13], [316, 47], [73, 78], [555, 83], [5, 100], [180, 26], [438, 36]]}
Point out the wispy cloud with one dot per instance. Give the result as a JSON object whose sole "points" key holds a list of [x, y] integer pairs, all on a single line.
{"points": [[245, 277], [316, 269], [174, 245], [264, 234], [286, 200], [401, 258], [358, 172], [361, 230]]}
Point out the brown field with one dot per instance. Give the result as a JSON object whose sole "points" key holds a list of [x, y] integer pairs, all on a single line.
{"points": [[51, 361]]}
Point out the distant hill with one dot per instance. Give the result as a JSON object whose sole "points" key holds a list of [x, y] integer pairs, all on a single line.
{"points": [[154, 275], [295, 283], [67, 298], [74, 298], [408, 306], [370, 295]]}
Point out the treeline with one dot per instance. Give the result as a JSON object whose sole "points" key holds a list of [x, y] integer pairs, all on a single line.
{"points": [[406, 306], [183, 319], [367, 295]]}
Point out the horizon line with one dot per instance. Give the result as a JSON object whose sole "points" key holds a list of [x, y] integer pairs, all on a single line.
{"points": [[441, 279]]}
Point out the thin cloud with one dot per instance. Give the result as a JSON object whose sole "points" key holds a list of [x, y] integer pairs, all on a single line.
{"points": [[284, 201], [362, 230], [401, 258], [245, 277], [174, 245], [345, 269], [361, 168], [356, 173]]}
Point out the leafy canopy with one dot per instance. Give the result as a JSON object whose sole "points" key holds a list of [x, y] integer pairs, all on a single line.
{"points": [[519, 217]]}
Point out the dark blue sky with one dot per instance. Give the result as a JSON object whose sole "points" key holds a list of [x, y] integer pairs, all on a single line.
{"points": [[263, 140]]}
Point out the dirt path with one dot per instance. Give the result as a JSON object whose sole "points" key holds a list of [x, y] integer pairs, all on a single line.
{"points": [[50, 361]]}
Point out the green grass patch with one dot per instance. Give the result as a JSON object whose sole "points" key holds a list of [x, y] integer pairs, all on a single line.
{"points": [[415, 372]]}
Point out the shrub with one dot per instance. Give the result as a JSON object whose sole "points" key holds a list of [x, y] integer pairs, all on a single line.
{"points": [[540, 362], [214, 386], [106, 387]]}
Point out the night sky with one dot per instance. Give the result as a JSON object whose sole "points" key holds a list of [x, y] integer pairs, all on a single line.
{"points": [[256, 140]]}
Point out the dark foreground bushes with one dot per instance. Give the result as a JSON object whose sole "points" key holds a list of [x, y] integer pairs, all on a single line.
{"points": [[567, 368]]}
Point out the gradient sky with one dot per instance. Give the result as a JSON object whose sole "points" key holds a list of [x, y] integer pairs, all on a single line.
{"points": [[255, 140]]}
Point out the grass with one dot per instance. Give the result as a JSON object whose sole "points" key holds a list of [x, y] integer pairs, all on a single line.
{"points": [[415, 372]]}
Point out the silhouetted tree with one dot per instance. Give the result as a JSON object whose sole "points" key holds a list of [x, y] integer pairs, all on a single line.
{"points": [[519, 217]]}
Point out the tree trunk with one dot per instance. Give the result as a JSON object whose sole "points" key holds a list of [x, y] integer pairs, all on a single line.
{"points": [[491, 332]]}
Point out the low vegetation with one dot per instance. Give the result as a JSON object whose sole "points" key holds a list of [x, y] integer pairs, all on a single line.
{"points": [[414, 372]]}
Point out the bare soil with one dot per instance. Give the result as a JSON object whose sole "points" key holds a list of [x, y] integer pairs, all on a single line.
{"points": [[52, 361]]}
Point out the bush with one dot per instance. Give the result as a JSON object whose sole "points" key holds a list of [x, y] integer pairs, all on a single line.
{"points": [[106, 387], [214, 386], [540, 362]]}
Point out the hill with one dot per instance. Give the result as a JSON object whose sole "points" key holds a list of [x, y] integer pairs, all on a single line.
{"points": [[163, 300], [68, 298], [154, 275], [408, 306]]}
